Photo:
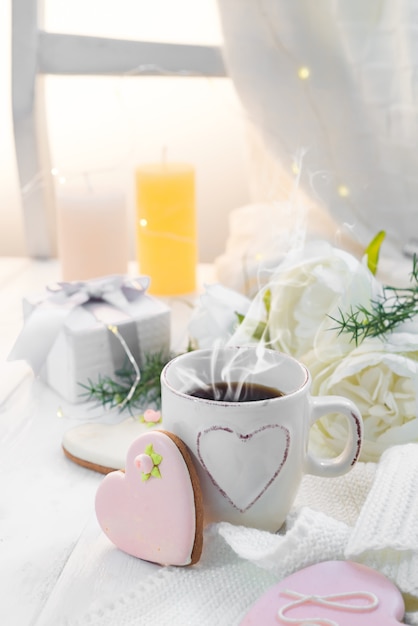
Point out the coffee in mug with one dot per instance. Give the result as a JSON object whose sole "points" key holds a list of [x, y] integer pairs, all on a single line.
{"points": [[235, 392]]}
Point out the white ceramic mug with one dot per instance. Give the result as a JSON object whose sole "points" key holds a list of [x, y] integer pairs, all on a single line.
{"points": [[251, 455]]}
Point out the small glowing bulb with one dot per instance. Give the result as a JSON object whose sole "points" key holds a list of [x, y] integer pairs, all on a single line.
{"points": [[304, 72], [258, 256], [143, 222], [62, 180], [343, 191], [295, 169], [54, 171]]}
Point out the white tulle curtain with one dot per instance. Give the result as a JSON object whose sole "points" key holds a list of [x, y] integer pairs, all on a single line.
{"points": [[331, 87]]}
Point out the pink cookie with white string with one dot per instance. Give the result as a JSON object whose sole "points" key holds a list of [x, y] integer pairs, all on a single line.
{"points": [[332, 593], [154, 510]]}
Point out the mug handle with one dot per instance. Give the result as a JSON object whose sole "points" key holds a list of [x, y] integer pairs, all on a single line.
{"points": [[341, 464]]}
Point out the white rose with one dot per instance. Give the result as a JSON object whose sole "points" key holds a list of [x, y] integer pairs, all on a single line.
{"points": [[215, 318], [381, 378], [308, 288]]}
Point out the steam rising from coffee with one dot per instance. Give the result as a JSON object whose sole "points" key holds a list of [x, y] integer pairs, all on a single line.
{"points": [[273, 273], [226, 376]]}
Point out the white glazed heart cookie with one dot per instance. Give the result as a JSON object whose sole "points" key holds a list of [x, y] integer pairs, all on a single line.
{"points": [[103, 447]]}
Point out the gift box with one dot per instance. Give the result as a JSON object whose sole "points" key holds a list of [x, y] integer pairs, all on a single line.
{"points": [[68, 338]]}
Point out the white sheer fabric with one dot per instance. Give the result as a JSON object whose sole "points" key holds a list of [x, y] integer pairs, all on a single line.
{"points": [[337, 82]]}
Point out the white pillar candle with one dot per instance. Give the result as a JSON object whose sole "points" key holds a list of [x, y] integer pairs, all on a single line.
{"points": [[92, 235]]}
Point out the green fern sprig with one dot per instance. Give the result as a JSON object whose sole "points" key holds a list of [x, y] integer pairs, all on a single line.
{"points": [[111, 392], [396, 305]]}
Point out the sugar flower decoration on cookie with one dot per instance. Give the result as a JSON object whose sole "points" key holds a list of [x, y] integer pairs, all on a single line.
{"points": [[151, 417], [148, 463]]}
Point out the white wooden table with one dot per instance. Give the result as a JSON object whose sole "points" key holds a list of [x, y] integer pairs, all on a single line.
{"points": [[47, 518]]}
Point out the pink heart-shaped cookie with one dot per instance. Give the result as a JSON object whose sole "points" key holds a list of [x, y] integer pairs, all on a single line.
{"points": [[153, 510], [332, 593]]}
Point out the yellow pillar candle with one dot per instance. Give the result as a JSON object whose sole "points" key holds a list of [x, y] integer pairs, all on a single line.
{"points": [[166, 227]]}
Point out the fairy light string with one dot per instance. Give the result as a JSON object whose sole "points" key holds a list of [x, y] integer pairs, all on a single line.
{"points": [[114, 329]]}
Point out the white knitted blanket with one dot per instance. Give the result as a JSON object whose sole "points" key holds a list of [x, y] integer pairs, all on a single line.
{"points": [[369, 515]]}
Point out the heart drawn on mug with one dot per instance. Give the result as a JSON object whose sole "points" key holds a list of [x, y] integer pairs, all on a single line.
{"points": [[243, 466]]}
